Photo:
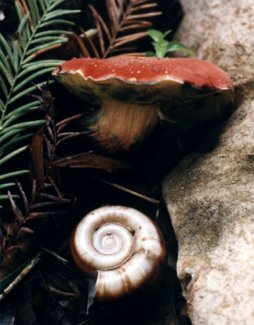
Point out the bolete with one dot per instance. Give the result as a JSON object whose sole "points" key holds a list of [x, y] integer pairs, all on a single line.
{"points": [[134, 94]]}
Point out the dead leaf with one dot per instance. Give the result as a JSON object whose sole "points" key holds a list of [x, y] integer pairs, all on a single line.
{"points": [[92, 160], [37, 156]]}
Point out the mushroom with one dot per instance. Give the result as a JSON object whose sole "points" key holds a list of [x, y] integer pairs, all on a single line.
{"points": [[123, 245], [135, 93]]}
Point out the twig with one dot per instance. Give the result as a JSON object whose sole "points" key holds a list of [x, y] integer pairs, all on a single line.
{"points": [[21, 276], [127, 190]]}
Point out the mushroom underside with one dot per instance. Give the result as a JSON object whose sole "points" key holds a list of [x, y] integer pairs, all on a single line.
{"points": [[129, 112]]}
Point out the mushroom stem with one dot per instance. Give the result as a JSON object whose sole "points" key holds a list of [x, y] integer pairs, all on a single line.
{"points": [[121, 125]]}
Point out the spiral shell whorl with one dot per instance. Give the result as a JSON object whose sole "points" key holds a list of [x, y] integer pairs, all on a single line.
{"points": [[110, 238], [122, 245]]}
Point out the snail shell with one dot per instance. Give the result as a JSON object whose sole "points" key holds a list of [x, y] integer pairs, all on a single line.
{"points": [[123, 245]]}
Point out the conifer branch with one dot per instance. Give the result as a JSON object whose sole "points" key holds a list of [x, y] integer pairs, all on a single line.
{"points": [[23, 73]]}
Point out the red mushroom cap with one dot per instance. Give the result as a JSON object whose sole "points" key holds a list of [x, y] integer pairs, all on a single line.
{"points": [[135, 93], [144, 70]]}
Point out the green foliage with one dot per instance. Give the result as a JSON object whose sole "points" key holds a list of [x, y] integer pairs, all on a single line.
{"points": [[163, 47], [20, 70]]}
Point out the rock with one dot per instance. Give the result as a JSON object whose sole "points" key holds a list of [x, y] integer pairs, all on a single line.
{"points": [[210, 196]]}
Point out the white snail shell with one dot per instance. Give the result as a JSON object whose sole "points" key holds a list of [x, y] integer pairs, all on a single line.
{"points": [[123, 245]]}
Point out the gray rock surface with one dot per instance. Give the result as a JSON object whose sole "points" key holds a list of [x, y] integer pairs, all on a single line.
{"points": [[210, 196]]}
